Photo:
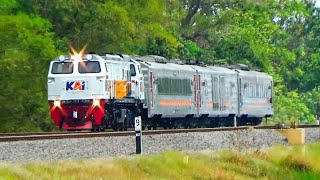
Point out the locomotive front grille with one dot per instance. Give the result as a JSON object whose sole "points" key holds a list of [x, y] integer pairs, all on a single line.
{"points": [[77, 102]]}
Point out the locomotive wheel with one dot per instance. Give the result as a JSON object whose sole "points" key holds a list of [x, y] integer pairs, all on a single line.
{"points": [[165, 126], [214, 123], [115, 127], [96, 128], [122, 127], [186, 126], [93, 127], [125, 125], [99, 128]]}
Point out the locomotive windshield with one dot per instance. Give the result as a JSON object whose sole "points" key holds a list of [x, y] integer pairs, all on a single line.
{"points": [[89, 67], [62, 68]]}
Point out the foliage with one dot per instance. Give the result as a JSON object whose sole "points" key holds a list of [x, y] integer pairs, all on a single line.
{"points": [[26, 48], [273, 163], [290, 107], [312, 100]]}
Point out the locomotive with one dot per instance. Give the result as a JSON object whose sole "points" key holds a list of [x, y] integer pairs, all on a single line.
{"points": [[91, 91]]}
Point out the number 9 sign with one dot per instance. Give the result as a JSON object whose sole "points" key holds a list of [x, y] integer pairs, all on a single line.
{"points": [[137, 123]]}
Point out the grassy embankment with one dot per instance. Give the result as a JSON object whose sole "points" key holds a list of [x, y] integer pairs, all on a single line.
{"points": [[297, 162]]}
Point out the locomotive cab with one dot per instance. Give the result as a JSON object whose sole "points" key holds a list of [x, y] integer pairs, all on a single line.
{"points": [[76, 91]]}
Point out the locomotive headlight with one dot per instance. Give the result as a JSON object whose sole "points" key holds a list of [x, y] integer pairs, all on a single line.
{"points": [[57, 103], [89, 57], [62, 58], [76, 57], [96, 102]]}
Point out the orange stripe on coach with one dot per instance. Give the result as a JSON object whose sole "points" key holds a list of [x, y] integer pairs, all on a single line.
{"points": [[210, 103], [175, 103]]}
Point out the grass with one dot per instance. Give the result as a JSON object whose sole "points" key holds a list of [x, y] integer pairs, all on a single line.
{"points": [[293, 162]]}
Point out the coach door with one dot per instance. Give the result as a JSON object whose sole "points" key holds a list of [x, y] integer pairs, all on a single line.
{"points": [[215, 93], [197, 92], [222, 93], [240, 94], [219, 93]]}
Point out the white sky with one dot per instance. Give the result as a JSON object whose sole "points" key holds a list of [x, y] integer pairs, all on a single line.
{"points": [[317, 3]]}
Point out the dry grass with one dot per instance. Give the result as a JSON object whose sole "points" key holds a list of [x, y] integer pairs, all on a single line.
{"points": [[296, 162]]}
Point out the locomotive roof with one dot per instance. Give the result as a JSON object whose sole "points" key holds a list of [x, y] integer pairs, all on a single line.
{"points": [[68, 58]]}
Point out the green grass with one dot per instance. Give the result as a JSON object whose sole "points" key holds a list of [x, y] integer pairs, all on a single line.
{"points": [[294, 162]]}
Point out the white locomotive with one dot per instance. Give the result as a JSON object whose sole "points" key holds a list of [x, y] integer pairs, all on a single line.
{"points": [[92, 91]]}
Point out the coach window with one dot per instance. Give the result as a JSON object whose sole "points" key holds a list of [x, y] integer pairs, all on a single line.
{"points": [[205, 84], [168, 86], [250, 90], [265, 91], [62, 68], [254, 90], [247, 92], [231, 88], [257, 90]]}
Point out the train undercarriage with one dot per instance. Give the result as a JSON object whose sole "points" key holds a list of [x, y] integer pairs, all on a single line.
{"points": [[202, 122], [119, 116]]}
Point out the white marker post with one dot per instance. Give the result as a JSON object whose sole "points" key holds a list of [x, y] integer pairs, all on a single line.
{"points": [[137, 128]]}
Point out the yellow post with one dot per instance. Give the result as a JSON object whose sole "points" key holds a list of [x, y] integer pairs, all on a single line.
{"points": [[294, 136]]}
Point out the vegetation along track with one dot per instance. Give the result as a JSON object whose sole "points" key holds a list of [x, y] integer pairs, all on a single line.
{"points": [[64, 135]]}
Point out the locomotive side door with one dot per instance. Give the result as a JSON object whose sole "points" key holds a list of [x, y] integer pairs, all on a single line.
{"points": [[137, 86], [134, 81]]}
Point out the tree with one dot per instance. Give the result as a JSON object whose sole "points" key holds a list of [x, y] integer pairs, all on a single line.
{"points": [[27, 47]]}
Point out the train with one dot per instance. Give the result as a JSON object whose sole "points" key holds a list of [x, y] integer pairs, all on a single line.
{"points": [[100, 91]]}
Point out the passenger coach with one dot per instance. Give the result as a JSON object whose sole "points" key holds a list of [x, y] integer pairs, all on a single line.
{"points": [[193, 95]]}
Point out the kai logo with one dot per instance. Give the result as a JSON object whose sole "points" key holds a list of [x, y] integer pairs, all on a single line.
{"points": [[75, 85]]}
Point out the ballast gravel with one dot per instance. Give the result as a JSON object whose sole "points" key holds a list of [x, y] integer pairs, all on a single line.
{"points": [[62, 149]]}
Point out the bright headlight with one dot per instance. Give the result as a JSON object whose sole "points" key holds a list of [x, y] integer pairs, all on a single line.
{"points": [[56, 103], [76, 57], [96, 102]]}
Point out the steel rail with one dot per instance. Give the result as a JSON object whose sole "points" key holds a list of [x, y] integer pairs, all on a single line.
{"points": [[5, 137], [39, 133]]}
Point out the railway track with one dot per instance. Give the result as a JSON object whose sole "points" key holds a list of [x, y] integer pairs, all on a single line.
{"points": [[5, 137]]}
